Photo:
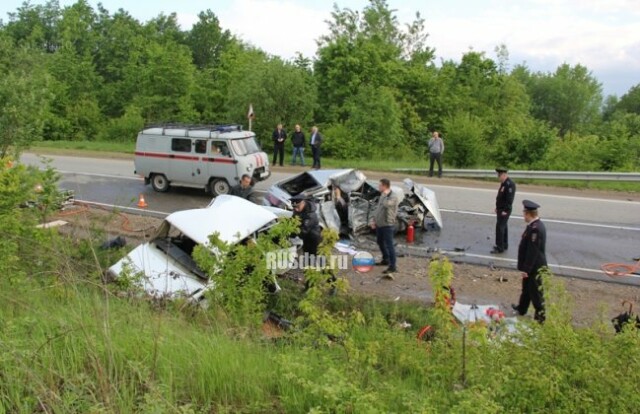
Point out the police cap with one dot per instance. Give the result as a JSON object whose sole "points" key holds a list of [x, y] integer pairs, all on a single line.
{"points": [[530, 205], [501, 170], [296, 199]]}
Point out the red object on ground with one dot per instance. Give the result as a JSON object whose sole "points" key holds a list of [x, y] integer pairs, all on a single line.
{"points": [[410, 232]]}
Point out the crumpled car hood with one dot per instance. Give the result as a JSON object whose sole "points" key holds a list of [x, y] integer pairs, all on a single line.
{"points": [[160, 275]]}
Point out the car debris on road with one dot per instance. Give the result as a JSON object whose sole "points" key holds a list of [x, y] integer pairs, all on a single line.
{"points": [[418, 205]]}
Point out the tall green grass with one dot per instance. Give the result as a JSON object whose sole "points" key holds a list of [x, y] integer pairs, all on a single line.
{"points": [[70, 344]]}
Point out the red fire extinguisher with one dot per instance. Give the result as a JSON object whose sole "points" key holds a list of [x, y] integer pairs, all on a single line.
{"points": [[410, 232]]}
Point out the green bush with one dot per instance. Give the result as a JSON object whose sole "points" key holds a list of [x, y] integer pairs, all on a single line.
{"points": [[463, 138], [572, 153], [125, 128]]}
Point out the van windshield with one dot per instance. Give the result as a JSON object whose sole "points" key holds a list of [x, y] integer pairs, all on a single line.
{"points": [[245, 146]]}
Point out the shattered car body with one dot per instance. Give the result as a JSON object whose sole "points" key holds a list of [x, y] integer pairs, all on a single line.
{"points": [[350, 210], [165, 266]]}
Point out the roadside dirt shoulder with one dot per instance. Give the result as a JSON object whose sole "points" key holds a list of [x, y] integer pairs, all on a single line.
{"points": [[592, 300]]}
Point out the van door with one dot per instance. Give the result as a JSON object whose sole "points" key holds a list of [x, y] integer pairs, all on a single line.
{"points": [[222, 165], [181, 161], [199, 167]]}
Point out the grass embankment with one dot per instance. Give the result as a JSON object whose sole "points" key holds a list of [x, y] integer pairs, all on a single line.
{"points": [[126, 149], [70, 345]]}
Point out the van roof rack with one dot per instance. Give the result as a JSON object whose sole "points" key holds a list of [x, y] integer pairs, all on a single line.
{"points": [[197, 127]]}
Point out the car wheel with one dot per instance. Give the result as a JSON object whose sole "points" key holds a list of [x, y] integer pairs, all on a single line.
{"points": [[160, 183], [428, 221], [219, 186]]}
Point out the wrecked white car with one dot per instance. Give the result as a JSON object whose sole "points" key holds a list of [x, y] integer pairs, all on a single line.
{"points": [[349, 210], [164, 266]]}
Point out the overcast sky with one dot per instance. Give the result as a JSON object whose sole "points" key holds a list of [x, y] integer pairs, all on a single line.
{"points": [[603, 35]]}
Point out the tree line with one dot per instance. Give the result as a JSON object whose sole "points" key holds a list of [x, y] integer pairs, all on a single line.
{"points": [[375, 88]]}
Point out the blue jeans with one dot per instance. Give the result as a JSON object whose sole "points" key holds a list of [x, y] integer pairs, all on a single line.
{"points": [[384, 237], [298, 151]]}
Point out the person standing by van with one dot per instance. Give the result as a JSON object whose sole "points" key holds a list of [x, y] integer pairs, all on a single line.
{"points": [[316, 142], [298, 141], [279, 136]]}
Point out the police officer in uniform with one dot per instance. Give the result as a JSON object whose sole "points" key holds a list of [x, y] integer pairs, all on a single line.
{"points": [[504, 204], [310, 230], [532, 258]]}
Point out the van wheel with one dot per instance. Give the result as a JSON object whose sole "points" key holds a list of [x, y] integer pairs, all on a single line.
{"points": [[219, 186], [160, 183]]}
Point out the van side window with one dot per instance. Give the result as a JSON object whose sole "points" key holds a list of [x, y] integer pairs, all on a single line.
{"points": [[220, 148], [201, 146], [181, 144]]}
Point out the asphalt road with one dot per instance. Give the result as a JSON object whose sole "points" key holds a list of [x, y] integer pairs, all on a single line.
{"points": [[582, 232]]}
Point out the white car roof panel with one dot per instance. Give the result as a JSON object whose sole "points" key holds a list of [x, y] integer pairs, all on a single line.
{"points": [[221, 216]]}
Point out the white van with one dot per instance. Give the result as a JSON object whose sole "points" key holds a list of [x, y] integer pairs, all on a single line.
{"points": [[212, 157]]}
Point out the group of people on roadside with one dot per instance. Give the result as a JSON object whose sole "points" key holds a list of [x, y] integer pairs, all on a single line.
{"points": [[299, 142], [531, 249]]}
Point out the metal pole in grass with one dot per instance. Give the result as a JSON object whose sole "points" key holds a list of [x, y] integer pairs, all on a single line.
{"points": [[463, 376]]}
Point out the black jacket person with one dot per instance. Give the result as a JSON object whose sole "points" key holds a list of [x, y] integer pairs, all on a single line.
{"points": [[279, 136], [504, 204], [531, 258], [310, 231]]}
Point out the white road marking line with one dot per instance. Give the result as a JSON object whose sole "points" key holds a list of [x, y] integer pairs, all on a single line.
{"points": [[547, 220], [557, 266], [487, 190], [123, 177], [606, 226], [143, 210]]}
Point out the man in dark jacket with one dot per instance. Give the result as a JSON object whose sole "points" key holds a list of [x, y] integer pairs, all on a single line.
{"points": [[298, 141], [316, 142], [531, 259], [244, 189], [310, 230], [279, 136], [504, 205]]}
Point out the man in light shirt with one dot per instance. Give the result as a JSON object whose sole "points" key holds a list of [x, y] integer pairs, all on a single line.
{"points": [[436, 149]]}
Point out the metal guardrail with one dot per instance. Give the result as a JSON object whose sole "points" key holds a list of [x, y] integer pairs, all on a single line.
{"points": [[544, 175]]}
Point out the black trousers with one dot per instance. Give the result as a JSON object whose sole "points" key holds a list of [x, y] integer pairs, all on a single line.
{"points": [[278, 149], [435, 157], [532, 293], [502, 230], [310, 242], [315, 151], [384, 237]]}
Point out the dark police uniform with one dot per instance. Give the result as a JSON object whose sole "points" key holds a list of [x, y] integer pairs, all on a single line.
{"points": [[310, 230], [504, 204], [278, 147], [531, 258]]}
